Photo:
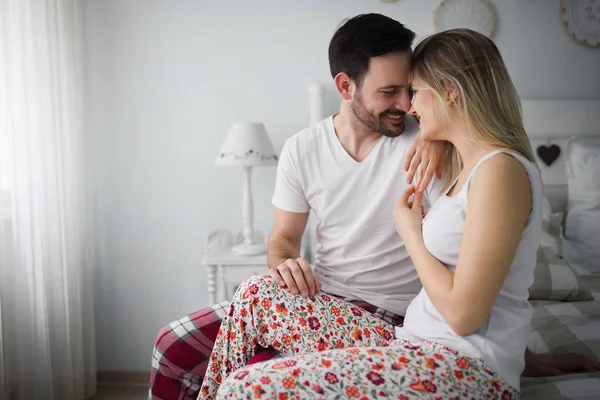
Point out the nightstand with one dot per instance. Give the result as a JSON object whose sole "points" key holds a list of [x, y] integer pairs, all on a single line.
{"points": [[225, 269]]}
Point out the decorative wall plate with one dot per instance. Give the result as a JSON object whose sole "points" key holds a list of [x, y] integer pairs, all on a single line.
{"points": [[477, 15], [581, 19]]}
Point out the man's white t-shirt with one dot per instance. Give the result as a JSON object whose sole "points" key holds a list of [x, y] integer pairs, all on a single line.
{"points": [[358, 253]]}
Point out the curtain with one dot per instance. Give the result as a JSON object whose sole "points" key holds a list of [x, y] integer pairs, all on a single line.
{"points": [[47, 344]]}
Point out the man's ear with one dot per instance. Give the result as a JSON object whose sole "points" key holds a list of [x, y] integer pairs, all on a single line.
{"points": [[344, 85]]}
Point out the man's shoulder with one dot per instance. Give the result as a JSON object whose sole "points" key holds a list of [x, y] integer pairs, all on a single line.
{"points": [[310, 137]]}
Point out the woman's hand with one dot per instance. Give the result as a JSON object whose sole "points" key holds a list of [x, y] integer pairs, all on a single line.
{"points": [[408, 215]]}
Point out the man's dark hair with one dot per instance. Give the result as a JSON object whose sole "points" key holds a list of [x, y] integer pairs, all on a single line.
{"points": [[363, 37]]}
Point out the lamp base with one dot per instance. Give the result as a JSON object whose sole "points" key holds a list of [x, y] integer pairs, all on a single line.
{"points": [[249, 249]]}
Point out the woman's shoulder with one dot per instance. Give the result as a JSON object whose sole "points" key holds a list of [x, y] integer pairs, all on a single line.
{"points": [[507, 164], [506, 175]]}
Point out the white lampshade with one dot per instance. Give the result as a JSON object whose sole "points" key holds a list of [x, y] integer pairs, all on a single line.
{"points": [[247, 145]]}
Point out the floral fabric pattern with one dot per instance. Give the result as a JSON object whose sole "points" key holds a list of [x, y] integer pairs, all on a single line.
{"points": [[334, 349], [261, 313], [403, 370]]}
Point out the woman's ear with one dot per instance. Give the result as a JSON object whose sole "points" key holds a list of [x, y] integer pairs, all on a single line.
{"points": [[344, 85], [451, 95]]}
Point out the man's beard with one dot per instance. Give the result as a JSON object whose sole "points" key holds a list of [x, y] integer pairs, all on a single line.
{"points": [[378, 123]]}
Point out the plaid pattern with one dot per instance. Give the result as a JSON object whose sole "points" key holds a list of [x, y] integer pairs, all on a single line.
{"points": [[566, 327], [183, 347], [555, 280]]}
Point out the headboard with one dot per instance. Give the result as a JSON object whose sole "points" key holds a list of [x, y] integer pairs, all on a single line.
{"points": [[549, 123], [552, 123]]}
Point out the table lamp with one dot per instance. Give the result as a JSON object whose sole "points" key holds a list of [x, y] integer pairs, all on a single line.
{"points": [[247, 145]]}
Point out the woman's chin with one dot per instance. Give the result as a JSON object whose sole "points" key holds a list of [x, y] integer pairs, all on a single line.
{"points": [[429, 135], [426, 134]]}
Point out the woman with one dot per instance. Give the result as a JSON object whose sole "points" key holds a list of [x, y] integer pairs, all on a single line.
{"points": [[474, 251]]}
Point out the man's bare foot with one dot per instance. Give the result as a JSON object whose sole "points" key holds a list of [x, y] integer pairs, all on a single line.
{"points": [[538, 365]]}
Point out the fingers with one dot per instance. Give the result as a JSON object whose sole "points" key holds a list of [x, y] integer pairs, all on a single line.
{"points": [[410, 154], [418, 202], [286, 273], [317, 285], [417, 177], [427, 177], [297, 275], [407, 193], [412, 168], [309, 278], [274, 273]]}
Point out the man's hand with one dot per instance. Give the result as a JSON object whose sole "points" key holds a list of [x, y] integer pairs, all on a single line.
{"points": [[424, 159], [539, 365], [297, 275]]}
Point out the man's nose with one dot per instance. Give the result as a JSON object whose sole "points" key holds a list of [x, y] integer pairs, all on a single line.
{"points": [[403, 102]]}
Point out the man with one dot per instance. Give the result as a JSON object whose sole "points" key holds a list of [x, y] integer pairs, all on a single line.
{"points": [[349, 170]]}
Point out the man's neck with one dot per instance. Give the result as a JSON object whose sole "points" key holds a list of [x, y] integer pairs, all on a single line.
{"points": [[355, 138]]}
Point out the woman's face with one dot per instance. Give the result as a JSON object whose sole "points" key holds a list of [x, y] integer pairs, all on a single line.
{"points": [[427, 109]]}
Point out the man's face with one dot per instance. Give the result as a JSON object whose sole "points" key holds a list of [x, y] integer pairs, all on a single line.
{"points": [[383, 99]]}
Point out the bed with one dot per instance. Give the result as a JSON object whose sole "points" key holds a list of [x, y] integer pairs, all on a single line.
{"points": [[566, 302]]}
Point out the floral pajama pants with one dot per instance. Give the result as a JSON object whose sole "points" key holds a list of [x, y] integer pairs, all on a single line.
{"points": [[403, 370], [335, 350]]}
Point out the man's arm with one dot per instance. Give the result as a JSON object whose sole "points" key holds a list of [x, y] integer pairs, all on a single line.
{"points": [[286, 237], [286, 266]]}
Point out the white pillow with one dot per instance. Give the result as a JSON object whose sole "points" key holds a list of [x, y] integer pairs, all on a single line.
{"points": [[581, 247]]}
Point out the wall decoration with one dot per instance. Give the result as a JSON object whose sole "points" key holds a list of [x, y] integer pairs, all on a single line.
{"points": [[581, 19], [548, 153], [477, 15]]}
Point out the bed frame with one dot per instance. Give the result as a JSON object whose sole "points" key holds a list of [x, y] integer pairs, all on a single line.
{"points": [[549, 123]]}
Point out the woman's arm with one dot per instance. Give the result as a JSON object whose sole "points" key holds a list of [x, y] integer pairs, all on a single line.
{"points": [[499, 203]]}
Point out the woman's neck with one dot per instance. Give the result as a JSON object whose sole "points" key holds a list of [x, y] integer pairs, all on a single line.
{"points": [[469, 149]]}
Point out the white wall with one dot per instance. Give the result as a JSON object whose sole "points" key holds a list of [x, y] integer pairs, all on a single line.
{"points": [[164, 81]]}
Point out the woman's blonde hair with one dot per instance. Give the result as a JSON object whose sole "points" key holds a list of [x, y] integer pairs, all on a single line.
{"points": [[470, 64]]}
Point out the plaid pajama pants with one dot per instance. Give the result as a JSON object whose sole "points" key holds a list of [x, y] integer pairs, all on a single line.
{"points": [[183, 348]]}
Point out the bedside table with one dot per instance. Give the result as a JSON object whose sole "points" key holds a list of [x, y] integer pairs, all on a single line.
{"points": [[225, 269]]}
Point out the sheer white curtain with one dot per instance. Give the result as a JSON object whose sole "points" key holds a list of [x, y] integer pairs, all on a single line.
{"points": [[47, 348]]}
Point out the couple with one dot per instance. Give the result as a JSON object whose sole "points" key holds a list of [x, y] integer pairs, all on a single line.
{"points": [[386, 249]]}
